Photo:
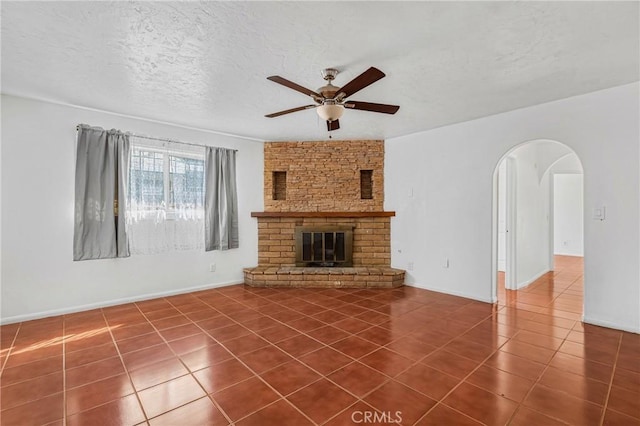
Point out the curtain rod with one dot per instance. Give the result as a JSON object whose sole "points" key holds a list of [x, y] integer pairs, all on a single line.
{"points": [[163, 139]]}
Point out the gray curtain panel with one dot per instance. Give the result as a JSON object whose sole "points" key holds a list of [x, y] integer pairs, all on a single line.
{"points": [[124, 159], [220, 200], [102, 166]]}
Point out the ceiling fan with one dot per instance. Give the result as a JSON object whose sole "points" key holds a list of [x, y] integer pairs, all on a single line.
{"points": [[330, 101]]}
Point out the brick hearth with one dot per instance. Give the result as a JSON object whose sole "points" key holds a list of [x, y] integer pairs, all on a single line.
{"points": [[294, 276], [321, 184]]}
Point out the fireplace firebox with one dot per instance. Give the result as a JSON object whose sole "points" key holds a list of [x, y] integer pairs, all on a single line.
{"points": [[324, 246]]}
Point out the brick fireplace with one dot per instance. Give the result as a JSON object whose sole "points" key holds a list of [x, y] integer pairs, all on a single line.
{"points": [[333, 190]]}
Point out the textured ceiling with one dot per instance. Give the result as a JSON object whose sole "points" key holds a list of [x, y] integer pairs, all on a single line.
{"points": [[204, 64]]}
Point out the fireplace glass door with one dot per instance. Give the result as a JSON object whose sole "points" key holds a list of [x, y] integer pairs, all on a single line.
{"points": [[324, 246]]}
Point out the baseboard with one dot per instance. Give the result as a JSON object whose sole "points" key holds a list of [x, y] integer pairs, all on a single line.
{"points": [[520, 286], [569, 254], [452, 293], [113, 302], [609, 324]]}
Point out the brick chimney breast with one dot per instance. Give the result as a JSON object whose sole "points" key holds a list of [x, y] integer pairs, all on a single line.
{"points": [[323, 176], [324, 184]]}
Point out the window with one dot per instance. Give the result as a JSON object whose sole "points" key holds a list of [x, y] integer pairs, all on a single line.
{"points": [[166, 197], [149, 197], [186, 181], [146, 179], [166, 180]]}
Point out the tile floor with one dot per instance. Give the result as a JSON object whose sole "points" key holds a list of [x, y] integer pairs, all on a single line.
{"points": [[325, 356]]}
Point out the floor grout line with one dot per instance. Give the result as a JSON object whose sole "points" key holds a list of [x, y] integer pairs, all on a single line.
{"points": [[13, 341], [613, 375], [124, 366]]}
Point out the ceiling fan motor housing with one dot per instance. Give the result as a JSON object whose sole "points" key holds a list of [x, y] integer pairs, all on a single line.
{"points": [[328, 91]]}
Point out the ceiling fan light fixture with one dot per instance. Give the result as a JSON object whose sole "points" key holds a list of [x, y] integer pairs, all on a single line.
{"points": [[330, 112]]}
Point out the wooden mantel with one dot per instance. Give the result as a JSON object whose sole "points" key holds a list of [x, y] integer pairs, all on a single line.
{"points": [[322, 214]]}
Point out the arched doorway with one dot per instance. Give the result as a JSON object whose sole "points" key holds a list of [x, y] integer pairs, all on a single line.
{"points": [[538, 228]]}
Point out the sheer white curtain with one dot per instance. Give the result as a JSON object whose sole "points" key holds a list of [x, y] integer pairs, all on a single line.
{"points": [[166, 197]]}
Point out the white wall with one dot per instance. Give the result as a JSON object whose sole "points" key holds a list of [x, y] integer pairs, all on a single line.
{"points": [[566, 164], [568, 214], [502, 216], [39, 277], [449, 214], [532, 213]]}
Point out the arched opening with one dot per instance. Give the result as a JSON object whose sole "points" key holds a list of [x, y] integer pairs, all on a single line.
{"points": [[538, 229]]}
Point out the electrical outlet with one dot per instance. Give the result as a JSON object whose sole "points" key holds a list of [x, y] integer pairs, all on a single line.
{"points": [[445, 264], [212, 267], [410, 266]]}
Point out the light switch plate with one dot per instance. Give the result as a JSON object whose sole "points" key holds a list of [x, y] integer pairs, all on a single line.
{"points": [[599, 213]]}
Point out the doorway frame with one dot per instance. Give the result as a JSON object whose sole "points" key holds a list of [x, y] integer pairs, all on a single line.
{"points": [[510, 261], [511, 211]]}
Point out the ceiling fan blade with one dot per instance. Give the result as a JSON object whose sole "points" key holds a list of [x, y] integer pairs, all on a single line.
{"points": [[287, 111], [368, 77], [333, 125], [369, 106], [294, 86]]}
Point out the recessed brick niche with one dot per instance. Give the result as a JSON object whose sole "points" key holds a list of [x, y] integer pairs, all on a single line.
{"points": [[309, 184]]}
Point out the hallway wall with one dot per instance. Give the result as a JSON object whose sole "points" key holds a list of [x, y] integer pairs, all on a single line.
{"points": [[440, 184], [568, 208]]}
